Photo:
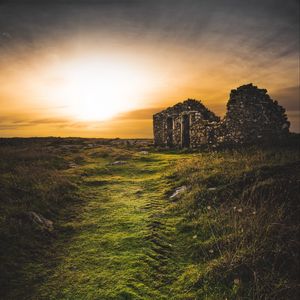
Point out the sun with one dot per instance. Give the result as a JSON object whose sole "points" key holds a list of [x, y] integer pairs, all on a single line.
{"points": [[97, 90]]}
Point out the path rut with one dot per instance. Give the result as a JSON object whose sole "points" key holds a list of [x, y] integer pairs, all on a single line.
{"points": [[123, 245]]}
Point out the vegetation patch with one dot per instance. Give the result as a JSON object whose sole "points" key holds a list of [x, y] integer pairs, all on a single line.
{"points": [[35, 192], [241, 217], [77, 225]]}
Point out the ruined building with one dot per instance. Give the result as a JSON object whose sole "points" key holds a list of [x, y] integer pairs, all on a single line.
{"points": [[252, 116], [174, 126]]}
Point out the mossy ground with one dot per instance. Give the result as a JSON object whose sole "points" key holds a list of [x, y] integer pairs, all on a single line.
{"points": [[125, 239], [122, 244]]}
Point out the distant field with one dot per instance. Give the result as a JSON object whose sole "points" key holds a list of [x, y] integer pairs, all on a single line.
{"points": [[99, 219]]}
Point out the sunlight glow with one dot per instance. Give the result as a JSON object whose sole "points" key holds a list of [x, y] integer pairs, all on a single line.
{"points": [[94, 90]]}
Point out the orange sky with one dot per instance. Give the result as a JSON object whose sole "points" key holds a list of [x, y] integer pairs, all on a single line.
{"points": [[61, 79]]}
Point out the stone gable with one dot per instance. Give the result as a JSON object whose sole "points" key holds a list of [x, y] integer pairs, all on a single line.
{"points": [[172, 126]]}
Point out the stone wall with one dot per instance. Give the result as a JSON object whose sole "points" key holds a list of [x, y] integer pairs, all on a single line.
{"points": [[158, 130], [195, 111], [177, 130], [251, 117], [205, 133]]}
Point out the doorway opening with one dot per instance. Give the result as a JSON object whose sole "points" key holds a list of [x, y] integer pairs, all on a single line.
{"points": [[185, 132], [170, 131]]}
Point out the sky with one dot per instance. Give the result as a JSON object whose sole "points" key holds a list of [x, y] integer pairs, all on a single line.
{"points": [[103, 68]]}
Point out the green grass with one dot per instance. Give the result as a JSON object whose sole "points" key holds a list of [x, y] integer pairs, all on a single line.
{"points": [[117, 235], [241, 217], [121, 248], [31, 179]]}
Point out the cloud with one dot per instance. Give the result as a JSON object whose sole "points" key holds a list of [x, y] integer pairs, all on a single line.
{"points": [[18, 121], [294, 118], [208, 45], [140, 114], [288, 97]]}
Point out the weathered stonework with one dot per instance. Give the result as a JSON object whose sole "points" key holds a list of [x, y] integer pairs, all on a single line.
{"points": [[252, 116], [173, 126]]}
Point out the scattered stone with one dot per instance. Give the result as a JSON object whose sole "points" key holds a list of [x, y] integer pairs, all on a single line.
{"points": [[40, 221], [67, 147], [72, 165], [194, 236], [118, 162], [144, 152], [212, 189], [178, 192]]}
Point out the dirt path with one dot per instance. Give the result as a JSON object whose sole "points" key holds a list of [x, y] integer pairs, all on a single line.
{"points": [[123, 244]]}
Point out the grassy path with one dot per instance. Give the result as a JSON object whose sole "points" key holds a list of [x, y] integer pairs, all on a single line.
{"points": [[123, 241], [118, 236]]}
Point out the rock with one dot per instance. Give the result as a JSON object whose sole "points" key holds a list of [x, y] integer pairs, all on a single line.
{"points": [[178, 192], [144, 152], [41, 222], [285, 126], [72, 165], [118, 162], [212, 189]]}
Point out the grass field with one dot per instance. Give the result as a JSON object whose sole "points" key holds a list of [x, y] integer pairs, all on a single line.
{"points": [[232, 233]]}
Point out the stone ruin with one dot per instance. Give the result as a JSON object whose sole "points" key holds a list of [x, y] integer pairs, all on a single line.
{"points": [[174, 126], [252, 117]]}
